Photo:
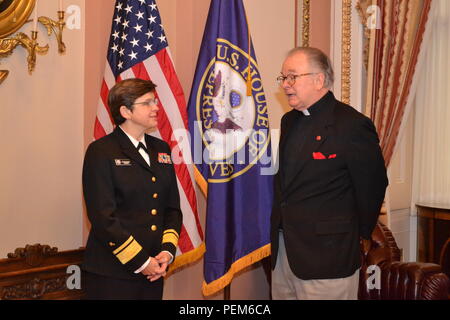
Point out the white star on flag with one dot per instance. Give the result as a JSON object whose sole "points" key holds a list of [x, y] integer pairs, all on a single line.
{"points": [[133, 55], [138, 28], [140, 15], [148, 47], [134, 42], [162, 38], [128, 9]]}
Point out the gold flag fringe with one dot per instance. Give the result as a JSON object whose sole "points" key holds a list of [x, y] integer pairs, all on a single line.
{"points": [[201, 181], [187, 258], [218, 284]]}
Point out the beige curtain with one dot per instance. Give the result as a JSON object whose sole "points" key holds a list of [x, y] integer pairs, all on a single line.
{"points": [[393, 53], [431, 176]]}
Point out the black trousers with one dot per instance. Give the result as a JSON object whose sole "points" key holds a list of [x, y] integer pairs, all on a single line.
{"points": [[98, 287]]}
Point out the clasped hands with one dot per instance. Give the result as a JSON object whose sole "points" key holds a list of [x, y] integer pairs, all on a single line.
{"points": [[157, 266]]}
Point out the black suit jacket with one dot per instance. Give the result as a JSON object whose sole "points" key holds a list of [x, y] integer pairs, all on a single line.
{"points": [[134, 208], [333, 196]]}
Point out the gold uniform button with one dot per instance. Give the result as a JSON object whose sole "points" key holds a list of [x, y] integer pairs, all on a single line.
{"points": [[154, 212], [155, 196], [112, 244], [154, 228], [153, 179]]}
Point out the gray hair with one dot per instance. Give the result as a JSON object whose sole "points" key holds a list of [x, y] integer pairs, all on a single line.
{"points": [[317, 59]]}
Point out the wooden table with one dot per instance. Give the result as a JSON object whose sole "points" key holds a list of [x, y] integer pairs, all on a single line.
{"points": [[433, 234]]}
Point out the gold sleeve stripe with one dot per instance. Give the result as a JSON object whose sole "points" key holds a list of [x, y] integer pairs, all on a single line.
{"points": [[170, 236], [126, 243], [129, 252], [171, 231]]}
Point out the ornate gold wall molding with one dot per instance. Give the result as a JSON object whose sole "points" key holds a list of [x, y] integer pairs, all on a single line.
{"points": [[346, 50], [345, 45], [306, 23]]}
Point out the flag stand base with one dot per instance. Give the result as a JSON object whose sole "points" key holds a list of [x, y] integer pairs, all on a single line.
{"points": [[227, 292], [267, 271]]}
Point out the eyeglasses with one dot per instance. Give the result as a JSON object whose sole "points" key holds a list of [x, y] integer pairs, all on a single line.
{"points": [[292, 77], [148, 103]]}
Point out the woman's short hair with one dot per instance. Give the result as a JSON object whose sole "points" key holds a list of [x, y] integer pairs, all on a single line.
{"points": [[125, 93]]}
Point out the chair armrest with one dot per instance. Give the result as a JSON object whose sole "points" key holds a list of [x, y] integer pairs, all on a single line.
{"points": [[406, 281]]}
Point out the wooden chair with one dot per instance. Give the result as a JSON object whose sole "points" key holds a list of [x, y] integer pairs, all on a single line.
{"points": [[40, 272]]}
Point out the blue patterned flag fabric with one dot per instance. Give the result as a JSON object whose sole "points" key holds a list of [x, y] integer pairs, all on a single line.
{"points": [[228, 121]]}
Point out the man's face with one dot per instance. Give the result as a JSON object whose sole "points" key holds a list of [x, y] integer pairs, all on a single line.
{"points": [[302, 90]]}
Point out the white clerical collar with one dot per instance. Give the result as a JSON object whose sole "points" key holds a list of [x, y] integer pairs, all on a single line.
{"points": [[306, 112], [133, 140]]}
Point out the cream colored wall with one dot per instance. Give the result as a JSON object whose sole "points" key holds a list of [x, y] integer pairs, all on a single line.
{"points": [[399, 193], [41, 130], [98, 20], [320, 25]]}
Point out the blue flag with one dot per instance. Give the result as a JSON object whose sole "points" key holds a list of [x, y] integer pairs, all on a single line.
{"points": [[229, 125]]}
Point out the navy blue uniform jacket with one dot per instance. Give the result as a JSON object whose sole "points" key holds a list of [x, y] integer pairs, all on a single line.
{"points": [[134, 208]]}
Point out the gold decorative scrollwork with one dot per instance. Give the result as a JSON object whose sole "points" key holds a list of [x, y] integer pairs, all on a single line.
{"points": [[7, 46], [55, 27], [306, 23], [13, 15], [346, 50]]}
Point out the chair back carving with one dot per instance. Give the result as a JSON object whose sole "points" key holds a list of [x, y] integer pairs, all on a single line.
{"points": [[38, 272]]}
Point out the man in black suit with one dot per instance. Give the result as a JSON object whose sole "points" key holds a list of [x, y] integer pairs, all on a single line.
{"points": [[329, 188], [132, 201]]}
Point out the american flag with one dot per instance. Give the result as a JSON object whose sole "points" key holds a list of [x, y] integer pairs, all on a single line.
{"points": [[138, 48]]}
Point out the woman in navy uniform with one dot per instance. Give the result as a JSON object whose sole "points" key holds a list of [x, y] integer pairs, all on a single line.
{"points": [[132, 201]]}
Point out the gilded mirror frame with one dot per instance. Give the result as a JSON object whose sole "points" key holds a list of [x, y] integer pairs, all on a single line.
{"points": [[302, 38], [13, 15]]}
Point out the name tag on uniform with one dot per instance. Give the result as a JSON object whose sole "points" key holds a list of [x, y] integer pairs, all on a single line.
{"points": [[122, 162], [164, 158]]}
